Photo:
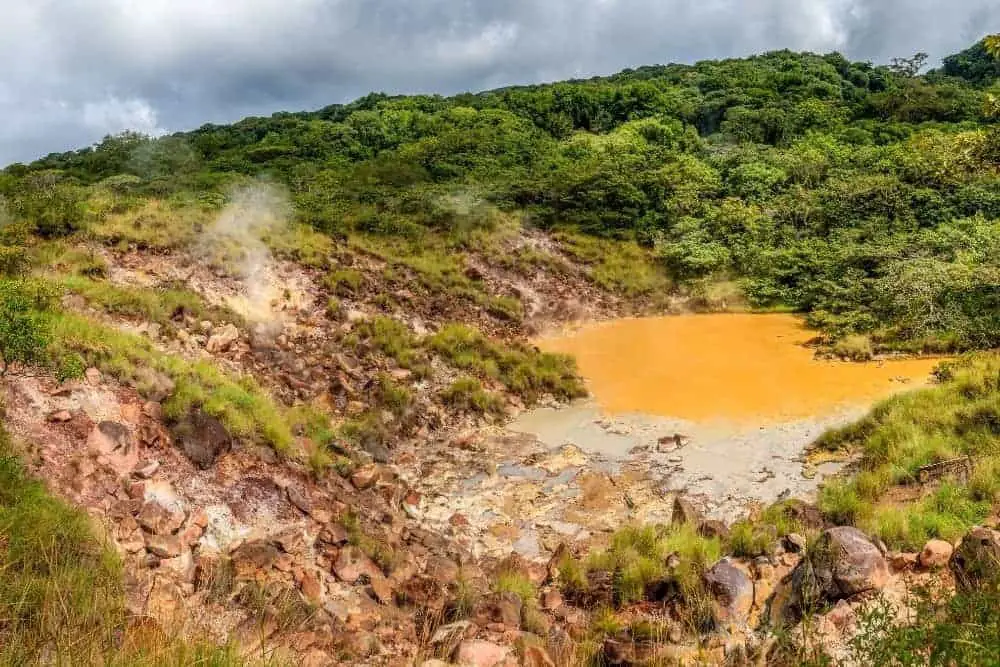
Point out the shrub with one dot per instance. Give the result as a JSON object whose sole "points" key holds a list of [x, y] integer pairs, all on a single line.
{"points": [[24, 331], [854, 348], [344, 282]]}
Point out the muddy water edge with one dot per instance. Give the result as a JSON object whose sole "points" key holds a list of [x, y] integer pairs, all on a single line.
{"points": [[718, 407]]}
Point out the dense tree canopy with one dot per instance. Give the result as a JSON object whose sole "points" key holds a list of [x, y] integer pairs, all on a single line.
{"points": [[867, 196]]}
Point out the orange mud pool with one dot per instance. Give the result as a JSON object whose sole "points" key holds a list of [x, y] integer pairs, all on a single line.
{"points": [[739, 368]]}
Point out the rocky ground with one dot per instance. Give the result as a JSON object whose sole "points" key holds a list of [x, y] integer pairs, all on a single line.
{"points": [[395, 560]]}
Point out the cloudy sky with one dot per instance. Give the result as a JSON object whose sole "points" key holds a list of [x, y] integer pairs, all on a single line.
{"points": [[75, 70]]}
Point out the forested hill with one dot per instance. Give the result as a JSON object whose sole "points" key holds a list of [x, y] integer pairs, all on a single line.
{"points": [[865, 195]]}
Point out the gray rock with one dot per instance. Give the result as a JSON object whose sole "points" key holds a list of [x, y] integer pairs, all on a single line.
{"points": [[203, 439], [732, 589], [846, 563], [976, 561]]}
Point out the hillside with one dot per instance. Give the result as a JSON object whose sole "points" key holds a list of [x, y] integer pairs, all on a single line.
{"points": [[275, 361]]}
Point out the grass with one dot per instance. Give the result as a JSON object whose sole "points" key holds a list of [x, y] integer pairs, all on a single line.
{"points": [[523, 370], [467, 394], [61, 593], [637, 556], [618, 266], [300, 243], [345, 282], [854, 348], [959, 417], [393, 339], [155, 225], [749, 540], [239, 403], [155, 305]]}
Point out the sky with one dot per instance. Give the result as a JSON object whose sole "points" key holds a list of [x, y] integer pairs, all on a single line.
{"points": [[76, 70]]}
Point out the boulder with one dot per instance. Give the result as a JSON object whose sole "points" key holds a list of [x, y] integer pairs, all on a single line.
{"points": [[366, 476], [504, 608], [794, 543], [60, 416], [685, 511], [299, 498], [352, 564], [254, 555], [478, 653], [713, 528], [536, 656], [164, 546], [107, 437], [203, 439], [846, 563], [935, 554], [159, 520], [447, 637], [976, 561], [223, 339], [732, 590]]}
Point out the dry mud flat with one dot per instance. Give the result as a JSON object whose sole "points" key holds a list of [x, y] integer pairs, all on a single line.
{"points": [[718, 408]]}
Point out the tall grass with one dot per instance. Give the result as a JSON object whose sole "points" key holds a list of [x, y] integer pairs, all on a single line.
{"points": [[61, 593], [959, 417]]}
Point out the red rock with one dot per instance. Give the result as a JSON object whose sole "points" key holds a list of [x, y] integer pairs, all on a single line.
{"points": [[158, 520], [458, 520], [935, 554], [478, 653], [536, 656], [321, 515], [366, 476], [283, 563], [199, 518], [153, 410], [382, 589], [352, 563], [552, 600], [164, 546], [147, 470], [311, 587], [299, 498], [902, 562]]}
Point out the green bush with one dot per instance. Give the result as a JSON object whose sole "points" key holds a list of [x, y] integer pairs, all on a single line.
{"points": [[24, 331]]}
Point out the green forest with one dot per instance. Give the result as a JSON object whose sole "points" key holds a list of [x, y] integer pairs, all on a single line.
{"points": [[866, 196]]}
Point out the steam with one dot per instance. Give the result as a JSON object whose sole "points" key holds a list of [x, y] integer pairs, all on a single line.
{"points": [[237, 236]]}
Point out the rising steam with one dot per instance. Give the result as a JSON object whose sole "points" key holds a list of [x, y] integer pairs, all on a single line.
{"points": [[237, 236]]}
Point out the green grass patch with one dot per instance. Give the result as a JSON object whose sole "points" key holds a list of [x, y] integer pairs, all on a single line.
{"points": [[239, 403], [467, 394], [522, 369], [957, 418]]}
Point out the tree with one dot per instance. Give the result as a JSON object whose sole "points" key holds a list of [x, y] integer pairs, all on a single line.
{"points": [[909, 67], [24, 334], [993, 45]]}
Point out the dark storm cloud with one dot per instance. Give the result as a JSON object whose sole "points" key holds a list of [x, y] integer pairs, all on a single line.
{"points": [[78, 69]]}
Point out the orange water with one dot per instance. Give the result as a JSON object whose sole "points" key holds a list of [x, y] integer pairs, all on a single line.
{"points": [[742, 368]]}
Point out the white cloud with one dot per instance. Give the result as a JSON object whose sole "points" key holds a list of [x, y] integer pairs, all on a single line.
{"points": [[114, 115]]}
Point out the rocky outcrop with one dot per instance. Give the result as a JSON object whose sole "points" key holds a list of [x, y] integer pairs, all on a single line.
{"points": [[222, 339], [732, 589], [846, 563], [203, 438], [976, 561], [935, 554]]}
